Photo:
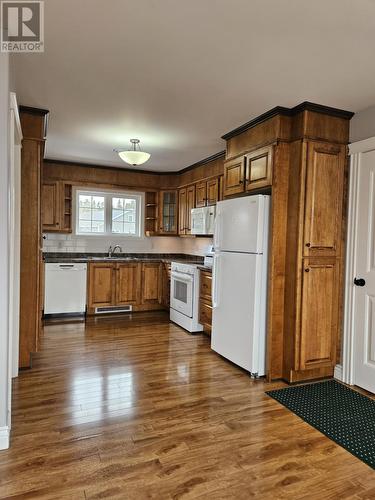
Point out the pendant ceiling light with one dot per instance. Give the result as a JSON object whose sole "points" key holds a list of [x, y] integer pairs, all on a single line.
{"points": [[134, 156]]}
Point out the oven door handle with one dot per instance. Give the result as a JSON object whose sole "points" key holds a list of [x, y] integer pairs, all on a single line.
{"points": [[182, 277]]}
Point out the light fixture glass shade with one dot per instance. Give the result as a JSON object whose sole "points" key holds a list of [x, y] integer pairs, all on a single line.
{"points": [[134, 157]]}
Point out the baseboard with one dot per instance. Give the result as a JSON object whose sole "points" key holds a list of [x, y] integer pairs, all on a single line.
{"points": [[338, 373], [4, 437]]}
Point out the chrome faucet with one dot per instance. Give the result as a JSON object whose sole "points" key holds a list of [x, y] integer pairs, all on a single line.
{"points": [[111, 250]]}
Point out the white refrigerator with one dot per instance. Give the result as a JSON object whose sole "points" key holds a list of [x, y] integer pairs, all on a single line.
{"points": [[239, 288]]}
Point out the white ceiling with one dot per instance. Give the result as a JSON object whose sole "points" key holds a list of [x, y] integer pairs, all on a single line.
{"points": [[178, 74]]}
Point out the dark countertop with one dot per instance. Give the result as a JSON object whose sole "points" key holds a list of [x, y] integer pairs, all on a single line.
{"points": [[63, 257], [205, 268]]}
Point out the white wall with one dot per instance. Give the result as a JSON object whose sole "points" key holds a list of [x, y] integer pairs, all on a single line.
{"points": [[55, 242], [4, 253], [362, 125]]}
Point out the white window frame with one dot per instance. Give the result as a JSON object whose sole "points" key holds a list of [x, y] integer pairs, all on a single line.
{"points": [[108, 194]]}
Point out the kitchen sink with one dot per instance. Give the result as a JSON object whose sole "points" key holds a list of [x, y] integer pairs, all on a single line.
{"points": [[114, 258]]}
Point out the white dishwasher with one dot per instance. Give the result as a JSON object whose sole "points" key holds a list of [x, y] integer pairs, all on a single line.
{"points": [[65, 288]]}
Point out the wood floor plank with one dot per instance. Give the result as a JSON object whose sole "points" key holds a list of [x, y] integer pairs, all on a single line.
{"points": [[136, 408]]}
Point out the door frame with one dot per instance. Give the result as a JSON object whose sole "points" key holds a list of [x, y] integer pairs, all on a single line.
{"points": [[345, 372]]}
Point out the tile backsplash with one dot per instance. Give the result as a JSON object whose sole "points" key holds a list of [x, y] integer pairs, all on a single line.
{"points": [[55, 242]]}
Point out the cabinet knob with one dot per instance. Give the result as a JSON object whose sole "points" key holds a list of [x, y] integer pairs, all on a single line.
{"points": [[307, 270], [308, 245], [240, 181]]}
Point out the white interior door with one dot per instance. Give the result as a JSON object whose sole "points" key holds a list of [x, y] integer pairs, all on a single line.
{"points": [[364, 279]]}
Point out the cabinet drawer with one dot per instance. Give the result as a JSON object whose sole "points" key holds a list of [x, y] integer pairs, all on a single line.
{"points": [[205, 285], [205, 315]]}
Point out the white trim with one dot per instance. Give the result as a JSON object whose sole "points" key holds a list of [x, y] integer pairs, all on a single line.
{"points": [[17, 121], [4, 438], [338, 373], [362, 146], [356, 149]]}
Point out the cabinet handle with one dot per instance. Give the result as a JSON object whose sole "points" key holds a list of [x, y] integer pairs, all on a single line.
{"points": [[308, 245], [307, 270]]}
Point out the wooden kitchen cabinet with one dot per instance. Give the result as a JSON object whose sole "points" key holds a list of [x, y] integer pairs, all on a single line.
{"points": [[259, 168], [128, 279], [116, 284], [151, 283], [234, 176], [319, 313], [186, 202], [205, 301], [207, 192], [201, 194], [323, 199], [165, 284], [56, 206], [102, 282], [313, 260], [51, 206], [168, 212]]}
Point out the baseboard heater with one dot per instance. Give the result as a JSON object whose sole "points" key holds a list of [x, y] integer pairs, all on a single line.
{"points": [[113, 309]]}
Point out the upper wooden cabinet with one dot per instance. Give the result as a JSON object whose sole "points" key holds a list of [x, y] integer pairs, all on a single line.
{"points": [[213, 191], [56, 206], [323, 199], [186, 201], [168, 212], [207, 192], [201, 194], [249, 172], [259, 168], [51, 206], [234, 176]]}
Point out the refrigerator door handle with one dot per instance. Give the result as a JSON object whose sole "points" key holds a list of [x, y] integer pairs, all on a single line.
{"points": [[215, 282], [216, 232]]}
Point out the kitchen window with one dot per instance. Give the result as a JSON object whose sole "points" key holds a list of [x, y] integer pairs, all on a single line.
{"points": [[108, 213]]}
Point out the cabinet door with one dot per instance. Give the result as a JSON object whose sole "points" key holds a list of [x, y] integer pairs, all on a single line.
{"points": [[182, 200], [128, 283], [190, 204], [51, 206], [168, 212], [234, 176], [151, 290], [213, 191], [102, 283], [201, 194], [205, 285], [319, 313], [259, 169], [323, 203], [205, 315]]}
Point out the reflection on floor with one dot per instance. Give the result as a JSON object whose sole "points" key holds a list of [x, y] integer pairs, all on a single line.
{"points": [[135, 408]]}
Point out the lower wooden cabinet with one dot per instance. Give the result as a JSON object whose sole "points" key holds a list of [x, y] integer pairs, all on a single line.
{"points": [[128, 279], [319, 313], [138, 284], [205, 301], [151, 283], [101, 285], [165, 285]]}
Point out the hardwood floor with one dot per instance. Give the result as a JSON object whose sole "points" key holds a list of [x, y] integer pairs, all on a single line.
{"points": [[137, 408]]}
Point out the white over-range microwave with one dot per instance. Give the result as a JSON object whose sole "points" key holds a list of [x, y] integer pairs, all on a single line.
{"points": [[203, 220]]}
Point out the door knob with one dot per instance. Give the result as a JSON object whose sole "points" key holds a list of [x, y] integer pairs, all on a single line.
{"points": [[359, 282]]}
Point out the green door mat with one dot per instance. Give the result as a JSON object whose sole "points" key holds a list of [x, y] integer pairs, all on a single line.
{"points": [[343, 415]]}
